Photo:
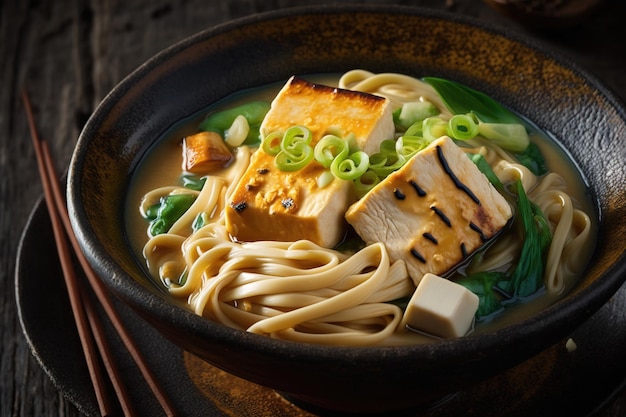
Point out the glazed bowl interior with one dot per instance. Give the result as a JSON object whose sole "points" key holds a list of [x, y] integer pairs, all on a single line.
{"points": [[560, 98]]}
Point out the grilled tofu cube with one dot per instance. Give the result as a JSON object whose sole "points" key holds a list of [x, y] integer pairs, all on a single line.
{"points": [[205, 152], [433, 212], [441, 308], [269, 204]]}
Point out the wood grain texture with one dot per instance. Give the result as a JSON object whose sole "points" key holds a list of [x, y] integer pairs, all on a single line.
{"points": [[69, 53]]}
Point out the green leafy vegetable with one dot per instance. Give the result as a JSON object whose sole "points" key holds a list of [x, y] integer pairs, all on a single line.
{"points": [[527, 277], [193, 182], [482, 284], [171, 208], [532, 159], [152, 212], [254, 112], [401, 302], [460, 99], [485, 168], [495, 122], [199, 222], [510, 136]]}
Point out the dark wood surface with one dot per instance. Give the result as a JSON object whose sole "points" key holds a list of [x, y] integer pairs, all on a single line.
{"points": [[69, 53]]}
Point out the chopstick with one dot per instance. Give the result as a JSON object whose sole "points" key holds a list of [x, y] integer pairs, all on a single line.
{"points": [[89, 327]]}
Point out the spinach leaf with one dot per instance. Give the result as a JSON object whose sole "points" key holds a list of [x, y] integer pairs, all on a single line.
{"points": [[171, 208]]}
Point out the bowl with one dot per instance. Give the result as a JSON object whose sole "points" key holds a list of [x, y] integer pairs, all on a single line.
{"points": [[547, 14], [554, 93]]}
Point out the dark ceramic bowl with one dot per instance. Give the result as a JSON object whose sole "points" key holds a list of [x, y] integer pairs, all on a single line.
{"points": [[270, 47]]}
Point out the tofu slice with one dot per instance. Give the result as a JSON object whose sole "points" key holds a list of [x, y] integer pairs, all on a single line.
{"points": [[441, 308], [433, 212], [322, 109], [269, 204]]}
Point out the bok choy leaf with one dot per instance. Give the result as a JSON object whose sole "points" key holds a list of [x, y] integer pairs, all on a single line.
{"points": [[527, 277], [495, 122], [460, 99]]}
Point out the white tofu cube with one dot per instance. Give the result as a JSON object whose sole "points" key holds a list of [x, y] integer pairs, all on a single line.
{"points": [[441, 308]]}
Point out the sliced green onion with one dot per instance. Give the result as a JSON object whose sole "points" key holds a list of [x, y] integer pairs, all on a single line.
{"points": [[383, 164], [329, 148], [365, 182], [510, 136], [271, 143], [434, 128], [388, 146], [407, 146], [416, 129], [296, 157], [351, 167], [295, 152], [294, 137], [462, 127]]}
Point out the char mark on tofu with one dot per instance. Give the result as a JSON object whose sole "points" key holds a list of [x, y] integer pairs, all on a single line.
{"points": [[430, 237], [455, 179], [239, 207], [420, 192], [441, 215], [478, 230], [399, 194], [418, 255]]}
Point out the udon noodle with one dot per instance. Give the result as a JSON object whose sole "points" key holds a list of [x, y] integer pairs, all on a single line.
{"points": [[303, 292]]}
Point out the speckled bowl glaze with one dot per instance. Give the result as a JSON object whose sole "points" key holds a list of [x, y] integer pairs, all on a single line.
{"points": [[267, 48]]}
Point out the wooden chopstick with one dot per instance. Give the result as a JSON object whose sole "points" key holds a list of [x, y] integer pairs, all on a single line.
{"points": [[58, 210], [105, 301], [71, 282]]}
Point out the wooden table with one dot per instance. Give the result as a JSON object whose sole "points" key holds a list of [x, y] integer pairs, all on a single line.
{"points": [[69, 53]]}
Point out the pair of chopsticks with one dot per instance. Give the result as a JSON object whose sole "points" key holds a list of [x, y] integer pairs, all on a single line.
{"points": [[90, 330]]}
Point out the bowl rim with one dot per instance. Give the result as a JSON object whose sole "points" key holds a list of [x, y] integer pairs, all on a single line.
{"points": [[552, 318]]}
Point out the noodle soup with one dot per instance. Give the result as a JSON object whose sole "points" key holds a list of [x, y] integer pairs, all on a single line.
{"points": [[351, 292]]}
